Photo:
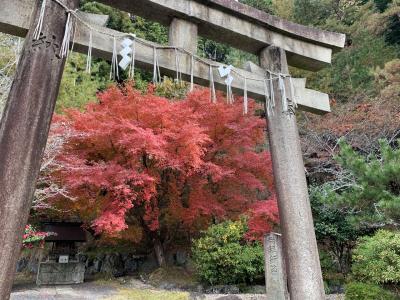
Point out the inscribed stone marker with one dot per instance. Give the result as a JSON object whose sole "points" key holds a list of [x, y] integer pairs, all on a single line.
{"points": [[275, 272]]}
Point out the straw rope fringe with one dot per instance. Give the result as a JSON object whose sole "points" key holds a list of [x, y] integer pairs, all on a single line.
{"points": [[89, 55], [268, 100], [229, 94], [271, 90], [156, 67], [73, 36], [131, 74], [38, 29], [191, 73], [288, 105], [245, 98], [178, 66], [64, 51], [114, 74], [213, 95], [284, 99]]}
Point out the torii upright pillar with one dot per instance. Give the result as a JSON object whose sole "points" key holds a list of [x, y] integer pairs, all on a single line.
{"points": [[24, 129], [183, 34], [299, 241]]}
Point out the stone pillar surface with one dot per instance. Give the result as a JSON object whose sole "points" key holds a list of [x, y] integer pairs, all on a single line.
{"points": [[300, 245], [24, 129], [183, 34], [275, 269]]}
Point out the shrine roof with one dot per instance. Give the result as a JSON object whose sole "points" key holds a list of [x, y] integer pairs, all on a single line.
{"points": [[71, 232]]}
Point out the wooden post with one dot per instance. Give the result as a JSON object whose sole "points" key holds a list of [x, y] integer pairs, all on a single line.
{"points": [[300, 246], [275, 268], [24, 129]]}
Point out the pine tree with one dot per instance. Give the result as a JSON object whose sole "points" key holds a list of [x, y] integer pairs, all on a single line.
{"points": [[372, 191]]}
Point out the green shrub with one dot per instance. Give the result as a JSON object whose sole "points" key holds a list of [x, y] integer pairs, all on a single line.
{"points": [[328, 265], [376, 259], [222, 256], [172, 89], [363, 291]]}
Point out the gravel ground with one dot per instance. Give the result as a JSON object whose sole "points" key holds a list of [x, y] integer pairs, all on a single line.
{"points": [[98, 291], [86, 291]]}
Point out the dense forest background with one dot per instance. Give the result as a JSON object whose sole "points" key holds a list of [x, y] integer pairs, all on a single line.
{"points": [[351, 156]]}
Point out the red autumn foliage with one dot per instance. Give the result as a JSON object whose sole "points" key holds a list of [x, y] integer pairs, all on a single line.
{"points": [[263, 216], [144, 164]]}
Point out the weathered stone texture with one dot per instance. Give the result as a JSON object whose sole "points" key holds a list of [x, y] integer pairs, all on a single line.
{"points": [[300, 244], [51, 273], [275, 269], [23, 132]]}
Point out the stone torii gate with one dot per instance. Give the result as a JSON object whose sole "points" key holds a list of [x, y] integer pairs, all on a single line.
{"points": [[26, 119]]}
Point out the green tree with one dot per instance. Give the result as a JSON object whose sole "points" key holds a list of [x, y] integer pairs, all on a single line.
{"points": [[226, 54], [377, 258], [264, 5], [372, 192], [79, 87], [391, 14], [352, 74], [125, 22], [382, 5], [335, 232], [312, 12], [370, 44]]}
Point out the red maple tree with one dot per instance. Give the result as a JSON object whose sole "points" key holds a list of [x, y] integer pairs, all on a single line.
{"points": [[148, 168]]}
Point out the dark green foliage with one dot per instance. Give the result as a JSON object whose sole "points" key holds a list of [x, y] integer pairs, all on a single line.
{"points": [[312, 12], [364, 197], [226, 54], [123, 22], [334, 230], [118, 20], [363, 291], [351, 76], [264, 5], [376, 259], [366, 193], [371, 42], [213, 50], [222, 256], [382, 5], [393, 30], [328, 265], [77, 86], [375, 192]]}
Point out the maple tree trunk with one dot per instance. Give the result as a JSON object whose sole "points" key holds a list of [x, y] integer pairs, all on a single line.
{"points": [[159, 251], [24, 129]]}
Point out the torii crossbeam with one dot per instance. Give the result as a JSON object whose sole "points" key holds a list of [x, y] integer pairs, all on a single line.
{"points": [[26, 120], [17, 23]]}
